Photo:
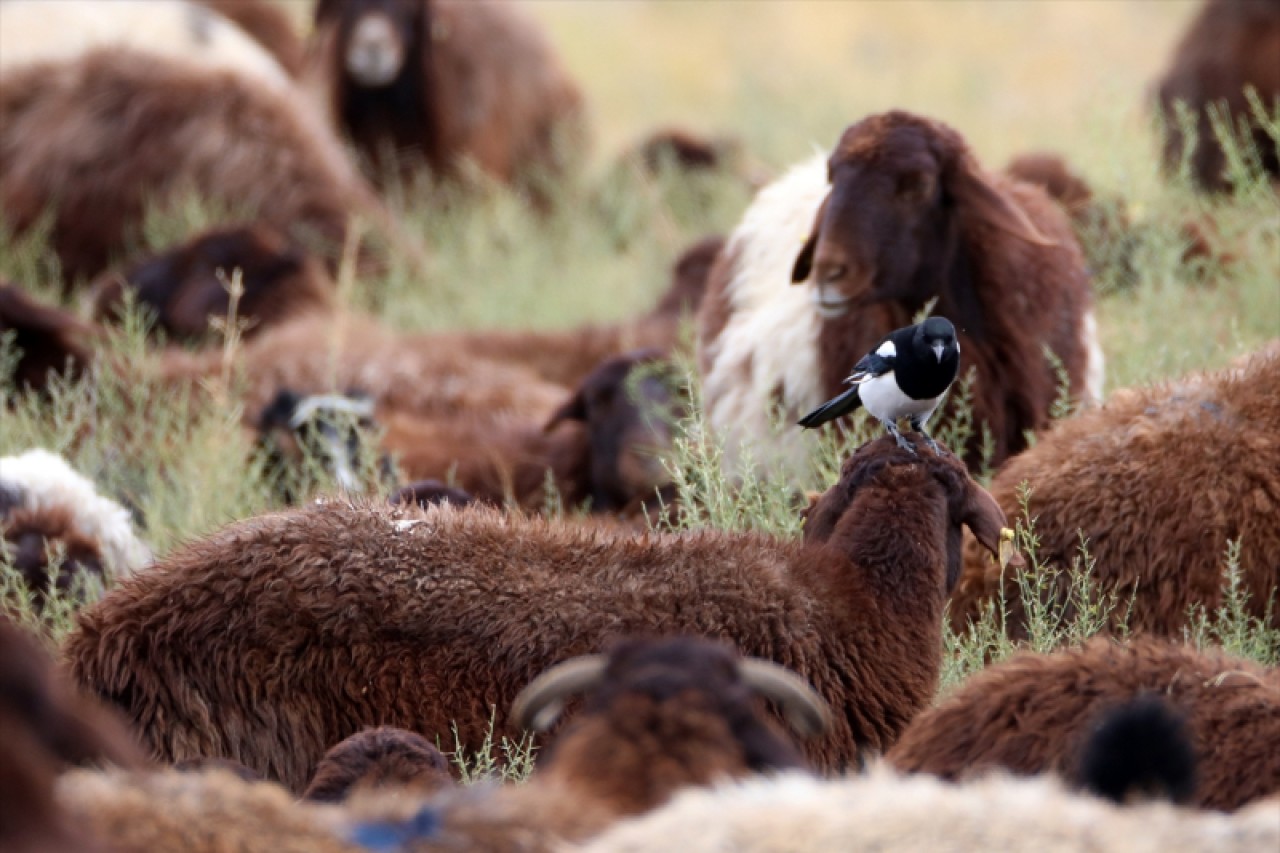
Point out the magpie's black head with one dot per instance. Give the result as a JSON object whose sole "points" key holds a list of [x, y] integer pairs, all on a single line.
{"points": [[890, 228], [937, 337], [332, 431]]}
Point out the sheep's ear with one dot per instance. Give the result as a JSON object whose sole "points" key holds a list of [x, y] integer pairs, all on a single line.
{"points": [[983, 516], [573, 409], [803, 266], [977, 198]]}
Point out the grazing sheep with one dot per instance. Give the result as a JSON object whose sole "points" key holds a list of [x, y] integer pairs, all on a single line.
{"points": [[49, 512], [567, 357], [34, 31], [904, 215], [603, 444], [431, 618], [660, 716], [403, 373], [267, 24], [48, 339], [1206, 446], [880, 811], [376, 758], [45, 726], [1230, 45], [164, 129], [188, 286], [1031, 713], [445, 81]]}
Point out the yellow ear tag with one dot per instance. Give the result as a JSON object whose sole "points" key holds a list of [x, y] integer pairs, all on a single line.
{"points": [[1005, 550]]}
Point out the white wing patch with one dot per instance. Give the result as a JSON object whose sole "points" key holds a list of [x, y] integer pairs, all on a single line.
{"points": [[887, 350]]}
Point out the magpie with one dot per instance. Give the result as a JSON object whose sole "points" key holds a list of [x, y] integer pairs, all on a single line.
{"points": [[905, 376]]}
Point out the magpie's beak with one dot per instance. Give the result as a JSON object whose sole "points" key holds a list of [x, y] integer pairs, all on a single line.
{"points": [[937, 350]]}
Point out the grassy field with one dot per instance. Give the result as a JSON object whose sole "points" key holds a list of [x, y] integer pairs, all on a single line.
{"points": [[786, 78]]}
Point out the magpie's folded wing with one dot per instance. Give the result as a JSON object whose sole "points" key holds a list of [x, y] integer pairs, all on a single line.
{"points": [[871, 366]]}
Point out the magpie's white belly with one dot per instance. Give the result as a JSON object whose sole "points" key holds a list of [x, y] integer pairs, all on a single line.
{"points": [[883, 399]]}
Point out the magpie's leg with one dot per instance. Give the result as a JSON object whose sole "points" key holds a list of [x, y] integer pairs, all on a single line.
{"points": [[917, 424], [897, 436]]}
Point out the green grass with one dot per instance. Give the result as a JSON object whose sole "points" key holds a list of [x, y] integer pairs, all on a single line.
{"points": [[604, 253]]}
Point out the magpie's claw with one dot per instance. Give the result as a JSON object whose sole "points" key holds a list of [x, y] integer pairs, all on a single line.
{"points": [[933, 445], [902, 441]]}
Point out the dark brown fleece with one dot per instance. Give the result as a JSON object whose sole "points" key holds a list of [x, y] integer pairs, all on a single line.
{"points": [[267, 24], [160, 131], [479, 82], [1158, 481], [187, 285], [1231, 44], [280, 635], [1031, 715], [49, 339], [911, 215], [379, 757], [44, 727], [30, 537]]}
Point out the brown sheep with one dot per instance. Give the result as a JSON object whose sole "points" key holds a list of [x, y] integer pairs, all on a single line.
{"points": [[1157, 482], [603, 444], [267, 24], [48, 339], [446, 81], [45, 726], [1030, 715], [414, 636], [567, 357], [904, 215], [403, 373], [162, 130], [1231, 44], [187, 286], [379, 757]]}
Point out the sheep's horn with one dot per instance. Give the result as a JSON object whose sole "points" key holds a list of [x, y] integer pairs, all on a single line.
{"points": [[539, 705], [805, 710]]}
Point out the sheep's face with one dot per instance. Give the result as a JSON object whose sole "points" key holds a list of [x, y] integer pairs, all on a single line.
{"points": [[630, 408], [882, 481], [377, 37], [889, 229], [329, 433], [50, 554], [188, 287]]}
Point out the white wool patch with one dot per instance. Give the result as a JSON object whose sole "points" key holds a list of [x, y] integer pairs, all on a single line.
{"points": [[46, 481], [42, 31], [1095, 361], [771, 338], [881, 810]]}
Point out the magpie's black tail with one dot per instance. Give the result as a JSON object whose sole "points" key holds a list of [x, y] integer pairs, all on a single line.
{"points": [[1139, 749], [842, 405]]}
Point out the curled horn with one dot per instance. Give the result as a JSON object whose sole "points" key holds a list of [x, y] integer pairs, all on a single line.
{"points": [[805, 710], [539, 704]]}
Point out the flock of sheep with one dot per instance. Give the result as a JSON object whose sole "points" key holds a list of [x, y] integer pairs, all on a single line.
{"points": [[286, 682]]}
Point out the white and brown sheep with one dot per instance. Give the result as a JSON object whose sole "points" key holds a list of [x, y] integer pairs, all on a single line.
{"points": [[440, 82], [50, 513], [129, 131], [1031, 714], [881, 811], [432, 617], [1230, 45], [1157, 482], [900, 214]]}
